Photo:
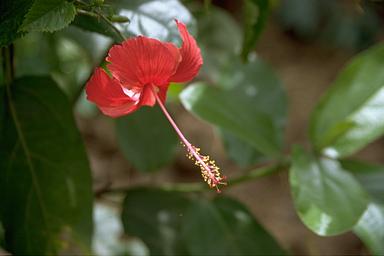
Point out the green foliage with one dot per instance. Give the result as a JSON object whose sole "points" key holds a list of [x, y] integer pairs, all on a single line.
{"points": [[108, 238], [370, 176], [21, 16], [243, 153], [49, 15], [254, 81], [348, 117], [255, 13], [153, 18], [174, 224], [217, 47], [370, 228], [46, 195], [347, 26], [327, 198], [224, 226], [247, 120], [45, 183], [12, 16], [146, 139], [156, 217], [97, 25], [2, 242]]}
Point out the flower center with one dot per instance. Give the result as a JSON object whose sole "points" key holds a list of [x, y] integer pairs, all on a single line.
{"points": [[132, 93]]}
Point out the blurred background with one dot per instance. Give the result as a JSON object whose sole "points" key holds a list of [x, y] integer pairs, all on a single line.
{"points": [[301, 48]]}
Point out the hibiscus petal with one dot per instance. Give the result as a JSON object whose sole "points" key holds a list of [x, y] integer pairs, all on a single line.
{"points": [[163, 93], [141, 61], [119, 110], [108, 95], [191, 57]]}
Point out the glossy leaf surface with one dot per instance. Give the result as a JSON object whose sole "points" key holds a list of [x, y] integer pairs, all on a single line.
{"points": [[328, 199], [370, 228], [349, 116]]}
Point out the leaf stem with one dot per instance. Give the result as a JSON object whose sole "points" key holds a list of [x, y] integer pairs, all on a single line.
{"points": [[97, 14], [117, 31], [189, 187]]}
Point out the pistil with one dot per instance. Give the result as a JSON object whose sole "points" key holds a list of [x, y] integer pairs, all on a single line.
{"points": [[209, 170]]}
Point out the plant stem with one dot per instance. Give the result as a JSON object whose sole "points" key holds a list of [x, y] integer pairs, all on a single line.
{"points": [[201, 187], [8, 67], [97, 14], [247, 177], [117, 31]]}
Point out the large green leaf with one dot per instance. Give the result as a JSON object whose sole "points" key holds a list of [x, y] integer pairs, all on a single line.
{"points": [[147, 140], [155, 216], [327, 198], [225, 227], [370, 176], [255, 13], [257, 82], [12, 16], [235, 112], [49, 15], [370, 228], [45, 185], [349, 116], [240, 151], [174, 224]]}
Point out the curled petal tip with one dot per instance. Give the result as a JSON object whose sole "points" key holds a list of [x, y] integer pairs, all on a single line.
{"points": [[191, 59]]}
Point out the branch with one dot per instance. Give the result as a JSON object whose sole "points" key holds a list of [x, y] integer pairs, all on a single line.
{"points": [[201, 187]]}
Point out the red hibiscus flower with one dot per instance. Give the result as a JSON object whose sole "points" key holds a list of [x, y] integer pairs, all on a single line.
{"points": [[142, 69]]}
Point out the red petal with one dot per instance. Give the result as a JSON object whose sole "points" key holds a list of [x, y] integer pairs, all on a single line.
{"points": [[108, 95], [191, 57], [119, 110], [163, 93], [141, 60]]}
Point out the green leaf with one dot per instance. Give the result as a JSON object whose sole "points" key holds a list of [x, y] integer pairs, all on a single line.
{"points": [[303, 17], [49, 16], [327, 198], [155, 216], [45, 189], [247, 120], [255, 13], [220, 107], [225, 227], [370, 176], [146, 138], [174, 224], [12, 16], [370, 228], [257, 82], [348, 117], [239, 151], [154, 18]]}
